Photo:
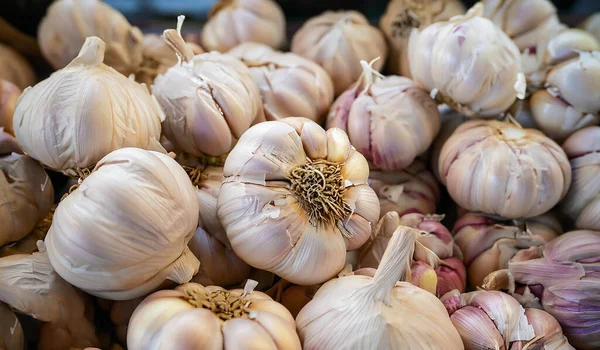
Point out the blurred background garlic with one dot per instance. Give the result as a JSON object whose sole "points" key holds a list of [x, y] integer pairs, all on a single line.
{"points": [[290, 85], [125, 230], [467, 63], [502, 169], [294, 198], [338, 41], [390, 120], [9, 94], [233, 22], [15, 68], [209, 100], [120, 314], [401, 16], [214, 317], [410, 190], [592, 25], [582, 202], [68, 23], [450, 121], [104, 110], [487, 243], [363, 312], [11, 332], [292, 296], [27, 192]]}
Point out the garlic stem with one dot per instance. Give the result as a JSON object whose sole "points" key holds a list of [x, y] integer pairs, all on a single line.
{"points": [[369, 73], [91, 53], [175, 41]]}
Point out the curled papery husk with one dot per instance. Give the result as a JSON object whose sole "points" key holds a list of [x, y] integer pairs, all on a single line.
{"points": [[9, 94], [502, 169], [338, 41], [487, 244], [213, 317], [29, 285], [390, 120], [104, 110], [363, 312], [15, 68], [27, 193], [592, 25], [450, 121], [582, 202], [401, 16], [294, 198], [68, 23], [469, 63], [232, 22], [410, 190], [131, 219], [11, 332], [290, 85]]}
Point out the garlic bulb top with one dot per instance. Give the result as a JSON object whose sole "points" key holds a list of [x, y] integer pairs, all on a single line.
{"points": [[125, 230], [401, 16], [232, 22], [9, 95], [390, 120], [363, 312], [500, 168], [290, 85], [210, 317], [11, 332], [592, 25], [68, 23], [15, 68], [338, 41], [83, 112], [469, 63], [294, 198]]}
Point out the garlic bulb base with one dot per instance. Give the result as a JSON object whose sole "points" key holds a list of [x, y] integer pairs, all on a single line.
{"points": [[224, 304]]}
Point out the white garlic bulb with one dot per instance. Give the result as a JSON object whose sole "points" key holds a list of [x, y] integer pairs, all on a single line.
{"points": [[68, 23], [290, 85], [294, 198], [338, 41], [502, 169], [83, 112], [468, 63], [390, 120], [15, 68], [125, 230], [592, 25], [232, 22], [363, 312]]}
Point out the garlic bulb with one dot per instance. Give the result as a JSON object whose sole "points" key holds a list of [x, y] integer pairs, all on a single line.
{"points": [[27, 193], [15, 68], [105, 110], [68, 23], [390, 120], [232, 22], [450, 121], [487, 244], [29, 285], [120, 314], [11, 332], [212, 317], [401, 16], [338, 41], [209, 100], [410, 190], [131, 220], [582, 202], [294, 198], [571, 100], [502, 169], [468, 63], [290, 85], [362, 312], [9, 94], [592, 25]]}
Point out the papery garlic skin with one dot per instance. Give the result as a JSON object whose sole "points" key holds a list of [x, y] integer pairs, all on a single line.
{"points": [[401, 16], [502, 169], [132, 219], [104, 109], [9, 94], [68, 23], [11, 332], [15, 68], [209, 102], [233, 22], [290, 85], [390, 121], [470, 63], [338, 41], [263, 203], [175, 319], [544, 323], [592, 25]]}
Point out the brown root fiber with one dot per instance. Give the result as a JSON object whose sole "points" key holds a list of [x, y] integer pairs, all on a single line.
{"points": [[319, 188], [224, 304], [195, 172]]}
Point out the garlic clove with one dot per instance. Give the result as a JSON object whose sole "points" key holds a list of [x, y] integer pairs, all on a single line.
{"points": [[476, 329], [544, 324], [338, 145], [451, 275], [314, 139], [356, 168], [358, 229], [423, 276], [283, 337], [181, 332], [567, 44], [265, 305], [240, 333]]}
